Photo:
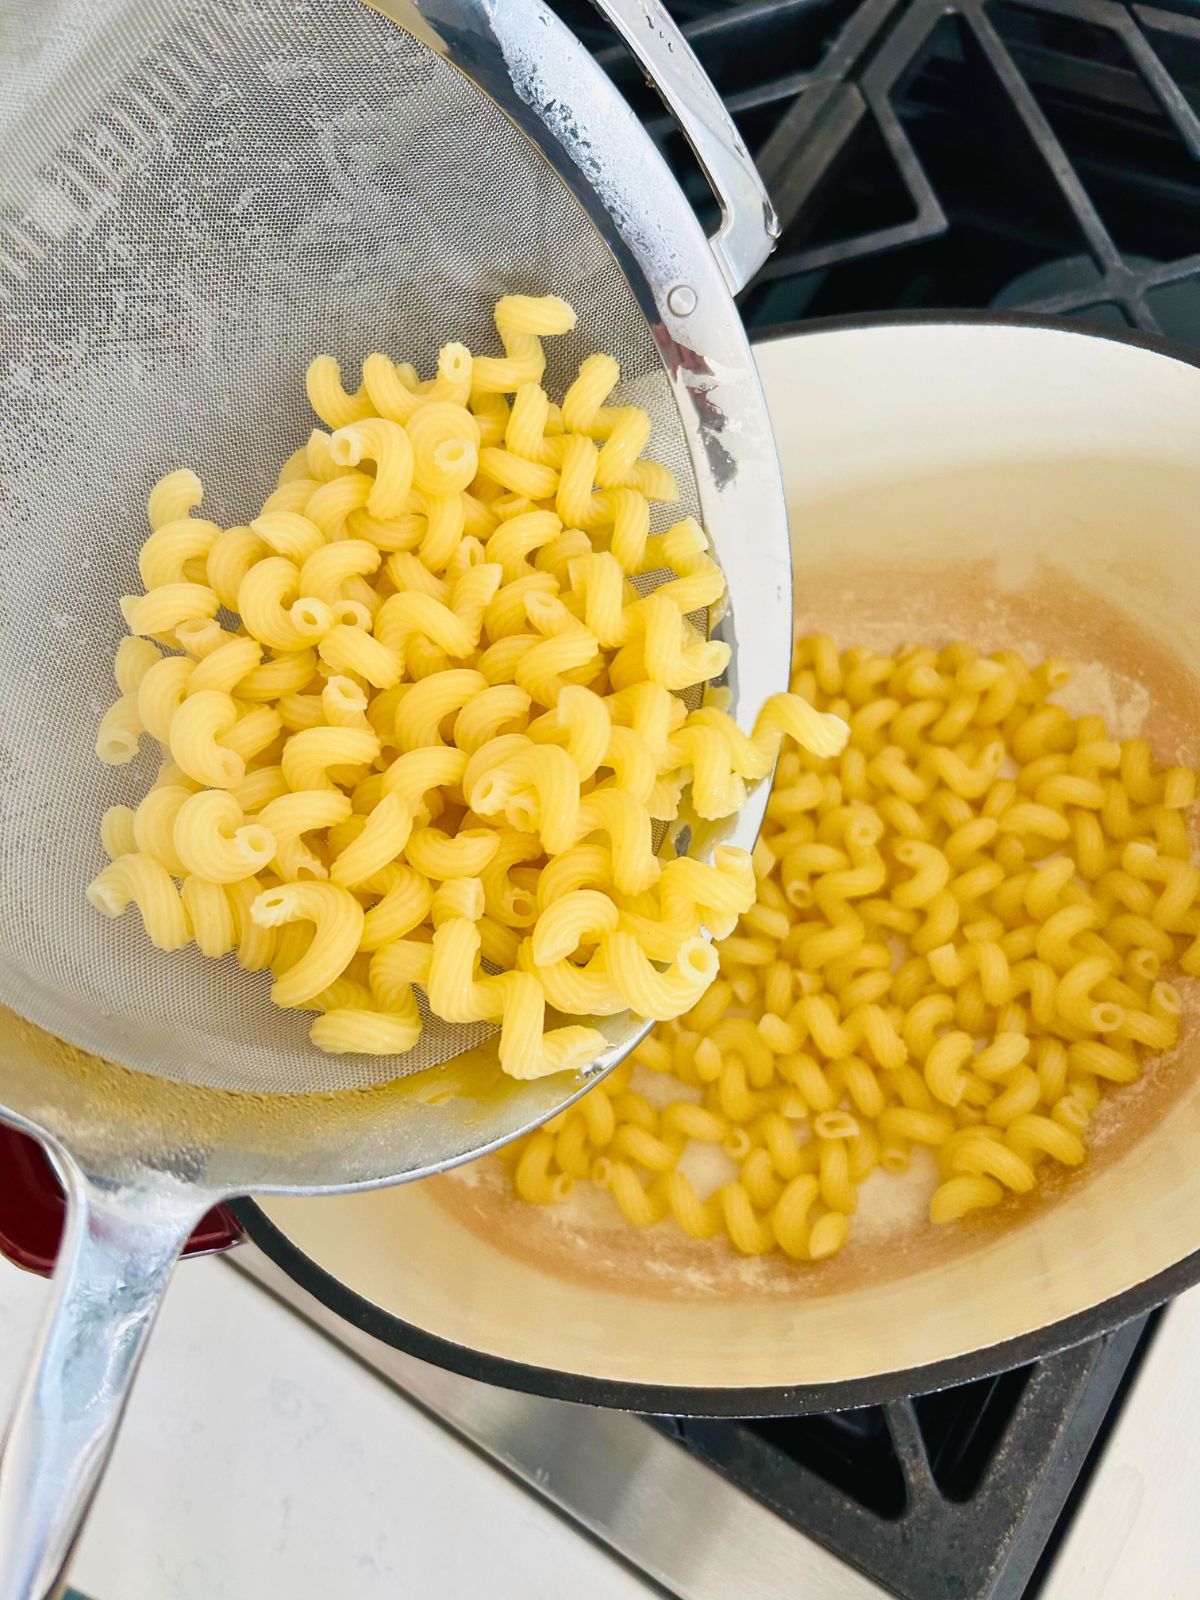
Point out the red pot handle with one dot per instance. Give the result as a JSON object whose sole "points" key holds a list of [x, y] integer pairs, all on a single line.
{"points": [[33, 1209]]}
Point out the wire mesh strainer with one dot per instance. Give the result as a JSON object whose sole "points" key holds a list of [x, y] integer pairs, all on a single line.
{"points": [[199, 195]]}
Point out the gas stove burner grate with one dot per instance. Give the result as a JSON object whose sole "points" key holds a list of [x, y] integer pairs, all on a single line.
{"points": [[933, 154], [956, 1493]]}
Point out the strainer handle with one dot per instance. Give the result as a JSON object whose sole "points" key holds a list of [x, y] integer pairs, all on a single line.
{"points": [[113, 1266], [749, 227]]}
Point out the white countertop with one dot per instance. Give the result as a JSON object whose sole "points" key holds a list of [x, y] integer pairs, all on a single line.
{"points": [[259, 1462]]}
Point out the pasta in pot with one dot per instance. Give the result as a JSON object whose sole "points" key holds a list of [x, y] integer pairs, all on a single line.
{"points": [[438, 689], [961, 936]]}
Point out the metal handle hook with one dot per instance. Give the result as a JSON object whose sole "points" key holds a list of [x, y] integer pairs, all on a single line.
{"points": [[749, 227]]}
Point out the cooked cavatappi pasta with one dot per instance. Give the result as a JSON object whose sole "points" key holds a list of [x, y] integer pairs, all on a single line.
{"points": [[420, 725], [963, 937]]}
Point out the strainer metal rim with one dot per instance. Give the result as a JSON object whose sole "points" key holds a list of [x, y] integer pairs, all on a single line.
{"points": [[602, 155]]}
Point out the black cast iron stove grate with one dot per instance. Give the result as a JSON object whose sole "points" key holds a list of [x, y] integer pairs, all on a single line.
{"points": [[956, 1495], [936, 155]]}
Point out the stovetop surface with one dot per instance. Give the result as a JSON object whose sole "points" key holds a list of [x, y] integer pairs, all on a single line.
{"points": [[697, 1522]]}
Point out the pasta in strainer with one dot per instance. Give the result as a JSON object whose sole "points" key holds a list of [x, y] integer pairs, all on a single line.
{"points": [[439, 682]]}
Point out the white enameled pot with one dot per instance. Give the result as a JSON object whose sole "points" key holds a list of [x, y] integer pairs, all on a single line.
{"points": [[995, 480]]}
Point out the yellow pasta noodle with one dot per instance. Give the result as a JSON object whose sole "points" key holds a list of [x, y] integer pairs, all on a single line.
{"points": [[211, 915], [117, 832], [361, 1031], [174, 496], [214, 842], [338, 920], [120, 728], [140, 880], [195, 739], [329, 399], [309, 755], [164, 607], [387, 444]]}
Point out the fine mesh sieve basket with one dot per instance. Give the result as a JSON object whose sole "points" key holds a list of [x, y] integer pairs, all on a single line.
{"points": [[198, 196]]}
